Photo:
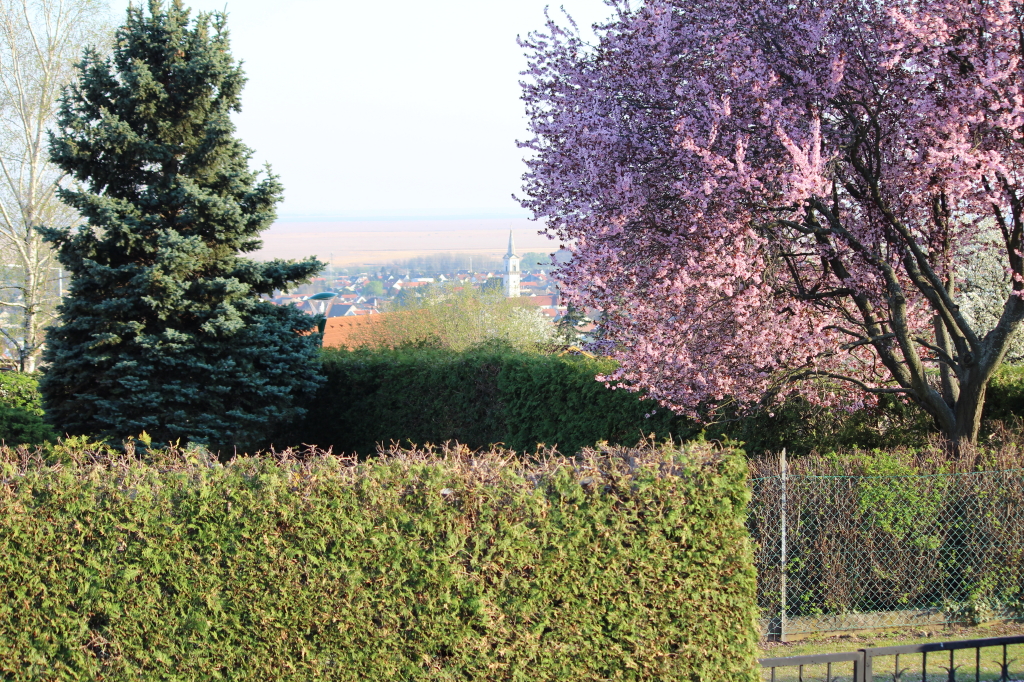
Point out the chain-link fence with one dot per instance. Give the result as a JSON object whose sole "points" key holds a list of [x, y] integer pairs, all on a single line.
{"points": [[839, 553]]}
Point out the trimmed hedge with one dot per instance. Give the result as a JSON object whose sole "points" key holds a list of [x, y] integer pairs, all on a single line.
{"points": [[494, 394], [488, 395], [622, 564]]}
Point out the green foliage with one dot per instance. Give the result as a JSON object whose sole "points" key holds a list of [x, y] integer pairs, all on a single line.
{"points": [[1004, 399], [881, 531], [19, 426], [459, 317], [487, 394], [21, 420], [163, 329], [491, 393], [802, 427], [374, 288], [892, 498], [20, 389], [421, 395], [631, 565], [556, 401], [567, 328]]}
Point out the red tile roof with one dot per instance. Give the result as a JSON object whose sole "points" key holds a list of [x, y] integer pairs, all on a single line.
{"points": [[540, 301], [359, 329], [352, 331]]}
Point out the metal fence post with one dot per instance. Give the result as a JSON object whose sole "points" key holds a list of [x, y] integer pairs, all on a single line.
{"points": [[782, 554]]}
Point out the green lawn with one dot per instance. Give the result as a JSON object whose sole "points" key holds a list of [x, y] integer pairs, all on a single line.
{"points": [[911, 666]]}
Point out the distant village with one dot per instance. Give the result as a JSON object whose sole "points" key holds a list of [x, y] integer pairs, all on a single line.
{"points": [[358, 296]]}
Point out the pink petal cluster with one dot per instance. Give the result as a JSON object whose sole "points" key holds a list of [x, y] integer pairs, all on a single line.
{"points": [[759, 192]]}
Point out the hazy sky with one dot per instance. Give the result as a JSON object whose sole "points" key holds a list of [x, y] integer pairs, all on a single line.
{"points": [[374, 109]]}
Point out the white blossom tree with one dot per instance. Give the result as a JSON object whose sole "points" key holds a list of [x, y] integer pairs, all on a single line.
{"points": [[40, 42]]}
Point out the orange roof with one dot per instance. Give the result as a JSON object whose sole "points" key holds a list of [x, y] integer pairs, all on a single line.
{"points": [[542, 301], [349, 332], [364, 328]]}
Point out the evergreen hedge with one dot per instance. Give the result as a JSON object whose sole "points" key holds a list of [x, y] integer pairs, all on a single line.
{"points": [[496, 394], [479, 397], [616, 565]]}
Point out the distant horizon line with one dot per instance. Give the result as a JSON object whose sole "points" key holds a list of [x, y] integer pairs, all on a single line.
{"points": [[397, 217]]}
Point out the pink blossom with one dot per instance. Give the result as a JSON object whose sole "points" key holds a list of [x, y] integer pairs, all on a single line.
{"points": [[761, 194]]}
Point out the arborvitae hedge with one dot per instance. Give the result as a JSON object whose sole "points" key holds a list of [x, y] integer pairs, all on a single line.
{"points": [[492, 394], [495, 394], [618, 565]]}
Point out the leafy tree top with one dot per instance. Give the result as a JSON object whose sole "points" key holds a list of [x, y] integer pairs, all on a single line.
{"points": [[763, 193]]}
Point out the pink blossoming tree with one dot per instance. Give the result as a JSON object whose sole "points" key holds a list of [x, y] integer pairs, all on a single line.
{"points": [[781, 193]]}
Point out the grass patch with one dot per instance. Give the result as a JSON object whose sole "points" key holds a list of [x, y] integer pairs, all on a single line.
{"points": [[885, 668]]}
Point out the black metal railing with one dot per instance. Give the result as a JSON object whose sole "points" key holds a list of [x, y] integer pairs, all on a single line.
{"points": [[856, 658], [863, 663]]}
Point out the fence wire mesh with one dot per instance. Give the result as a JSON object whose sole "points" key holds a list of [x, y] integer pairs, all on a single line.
{"points": [[839, 553]]}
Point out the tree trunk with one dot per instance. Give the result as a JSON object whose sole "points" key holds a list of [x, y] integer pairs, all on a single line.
{"points": [[963, 437], [28, 342]]}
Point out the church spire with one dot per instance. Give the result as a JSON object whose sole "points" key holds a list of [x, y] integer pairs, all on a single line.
{"points": [[511, 246], [512, 274]]}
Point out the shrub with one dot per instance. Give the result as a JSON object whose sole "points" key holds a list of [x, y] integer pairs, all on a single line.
{"points": [[19, 389], [458, 317], [496, 394], [485, 395], [620, 564], [555, 400], [19, 426], [881, 531], [802, 427], [1004, 399], [21, 416]]}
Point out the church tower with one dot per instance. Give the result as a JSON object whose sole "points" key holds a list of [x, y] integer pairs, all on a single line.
{"points": [[512, 273]]}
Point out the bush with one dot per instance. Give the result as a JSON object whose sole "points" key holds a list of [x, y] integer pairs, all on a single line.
{"points": [[497, 394], [21, 416], [556, 401], [803, 428], [18, 389], [1005, 397], [621, 564], [486, 395], [458, 317], [883, 531], [19, 426]]}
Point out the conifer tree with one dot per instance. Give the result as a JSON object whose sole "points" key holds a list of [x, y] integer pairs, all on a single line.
{"points": [[567, 327], [163, 329]]}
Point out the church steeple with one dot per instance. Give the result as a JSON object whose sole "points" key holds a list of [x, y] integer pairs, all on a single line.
{"points": [[512, 273]]}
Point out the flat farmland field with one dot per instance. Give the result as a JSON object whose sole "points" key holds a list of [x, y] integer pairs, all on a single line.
{"points": [[382, 242]]}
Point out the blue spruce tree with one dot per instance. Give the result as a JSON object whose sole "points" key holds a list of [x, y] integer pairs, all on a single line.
{"points": [[163, 329]]}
